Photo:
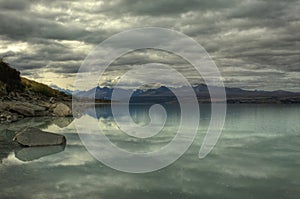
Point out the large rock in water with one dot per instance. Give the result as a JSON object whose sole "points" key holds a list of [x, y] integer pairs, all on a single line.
{"points": [[62, 110], [35, 137]]}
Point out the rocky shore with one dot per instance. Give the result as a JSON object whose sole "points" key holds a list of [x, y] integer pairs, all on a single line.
{"points": [[13, 110], [21, 97]]}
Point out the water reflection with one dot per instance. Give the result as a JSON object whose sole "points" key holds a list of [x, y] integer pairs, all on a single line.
{"points": [[257, 156], [34, 153]]}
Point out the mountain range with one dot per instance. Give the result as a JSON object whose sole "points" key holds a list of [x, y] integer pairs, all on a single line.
{"points": [[164, 94]]}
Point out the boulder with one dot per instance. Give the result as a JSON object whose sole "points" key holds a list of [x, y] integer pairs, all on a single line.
{"points": [[8, 116], [62, 110], [4, 106], [52, 100], [44, 104], [27, 109], [35, 137]]}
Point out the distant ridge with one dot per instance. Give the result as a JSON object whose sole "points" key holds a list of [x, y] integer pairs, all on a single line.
{"points": [[164, 94], [66, 91]]}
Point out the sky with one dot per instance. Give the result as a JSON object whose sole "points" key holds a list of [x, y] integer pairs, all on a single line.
{"points": [[254, 43]]}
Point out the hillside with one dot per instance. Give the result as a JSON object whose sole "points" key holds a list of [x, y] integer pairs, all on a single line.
{"points": [[21, 97], [11, 81]]}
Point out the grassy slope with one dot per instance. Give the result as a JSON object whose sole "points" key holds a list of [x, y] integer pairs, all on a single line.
{"points": [[10, 80], [43, 89]]}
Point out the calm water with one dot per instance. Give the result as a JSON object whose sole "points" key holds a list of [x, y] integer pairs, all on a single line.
{"points": [[257, 156]]}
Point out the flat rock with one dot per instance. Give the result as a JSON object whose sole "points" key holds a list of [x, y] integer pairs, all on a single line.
{"points": [[27, 109], [35, 137], [4, 106]]}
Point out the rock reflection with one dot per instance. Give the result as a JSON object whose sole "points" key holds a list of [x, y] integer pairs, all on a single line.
{"points": [[34, 153], [62, 122]]}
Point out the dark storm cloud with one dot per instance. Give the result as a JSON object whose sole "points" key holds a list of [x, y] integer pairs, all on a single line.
{"points": [[26, 26], [14, 5], [149, 56], [263, 9], [47, 54], [254, 43], [166, 7], [64, 67]]}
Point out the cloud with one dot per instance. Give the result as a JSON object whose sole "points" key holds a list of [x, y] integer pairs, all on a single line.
{"points": [[259, 35], [166, 7], [18, 5]]}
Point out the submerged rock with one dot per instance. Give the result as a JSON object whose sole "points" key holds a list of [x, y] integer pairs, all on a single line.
{"points": [[35, 137]]}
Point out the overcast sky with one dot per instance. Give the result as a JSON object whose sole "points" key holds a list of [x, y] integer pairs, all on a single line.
{"points": [[254, 43]]}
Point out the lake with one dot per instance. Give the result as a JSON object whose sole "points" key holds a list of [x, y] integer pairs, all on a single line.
{"points": [[257, 156]]}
